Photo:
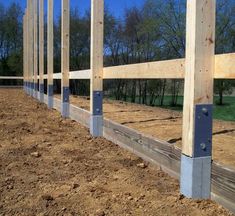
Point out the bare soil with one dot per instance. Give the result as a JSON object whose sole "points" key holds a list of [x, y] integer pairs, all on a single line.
{"points": [[51, 166], [166, 125]]}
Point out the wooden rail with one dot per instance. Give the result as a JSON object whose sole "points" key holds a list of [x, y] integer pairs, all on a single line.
{"points": [[168, 69], [11, 78]]}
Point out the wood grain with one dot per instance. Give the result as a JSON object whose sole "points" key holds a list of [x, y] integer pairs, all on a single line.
{"points": [[199, 67], [168, 69], [50, 41], [97, 42], [41, 41]]}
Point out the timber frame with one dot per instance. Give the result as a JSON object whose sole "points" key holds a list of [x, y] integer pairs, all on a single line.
{"points": [[199, 176]]}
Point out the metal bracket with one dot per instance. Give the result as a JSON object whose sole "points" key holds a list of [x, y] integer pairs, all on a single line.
{"points": [[65, 94], [35, 86], [41, 88], [203, 130], [97, 103], [50, 90]]}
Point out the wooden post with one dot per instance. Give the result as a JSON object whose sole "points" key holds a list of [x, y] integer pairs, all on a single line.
{"points": [[24, 50], [50, 53], [31, 45], [96, 89], [27, 49], [198, 99], [41, 50], [65, 58], [35, 48]]}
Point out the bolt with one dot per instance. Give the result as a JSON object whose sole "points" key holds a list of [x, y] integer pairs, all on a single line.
{"points": [[205, 111], [203, 146]]}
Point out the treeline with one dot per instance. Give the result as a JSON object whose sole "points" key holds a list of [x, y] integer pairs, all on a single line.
{"points": [[11, 58], [156, 31]]}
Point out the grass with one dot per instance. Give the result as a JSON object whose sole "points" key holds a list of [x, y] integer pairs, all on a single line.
{"points": [[225, 112]]}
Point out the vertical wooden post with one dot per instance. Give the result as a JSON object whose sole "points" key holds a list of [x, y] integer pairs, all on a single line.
{"points": [[31, 45], [24, 50], [50, 53], [96, 89], [35, 48], [41, 50], [198, 99], [26, 47], [65, 58]]}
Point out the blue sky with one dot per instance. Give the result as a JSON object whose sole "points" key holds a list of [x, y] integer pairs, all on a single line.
{"points": [[117, 7]]}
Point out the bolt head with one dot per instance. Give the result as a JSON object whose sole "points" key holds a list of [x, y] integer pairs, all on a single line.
{"points": [[205, 111], [203, 146]]}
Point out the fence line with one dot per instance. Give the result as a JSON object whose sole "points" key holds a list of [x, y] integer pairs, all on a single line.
{"points": [[199, 69]]}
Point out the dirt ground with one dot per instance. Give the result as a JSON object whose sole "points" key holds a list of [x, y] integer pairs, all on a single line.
{"points": [[50, 166], [166, 125]]}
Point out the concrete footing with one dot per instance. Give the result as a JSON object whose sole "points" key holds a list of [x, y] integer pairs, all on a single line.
{"points": [[50, 102], [96, 126], [35, 95], [50, 91], [41, 92], [65, 102], [196, 177], [41, 97], [65, 110], [31, 90]]}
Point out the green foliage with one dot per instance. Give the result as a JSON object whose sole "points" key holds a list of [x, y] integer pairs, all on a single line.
{"points": [[11, 51], [155, 31]]}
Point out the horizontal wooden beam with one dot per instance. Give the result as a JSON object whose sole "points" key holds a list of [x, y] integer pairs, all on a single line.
{"points": [[169, 69], [11, 78], [150, 70]]}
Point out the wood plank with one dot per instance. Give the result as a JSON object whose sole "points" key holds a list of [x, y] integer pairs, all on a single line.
{"points": [[11, 78], [41, 41], [168, 69], [31, 43], [65, 57], [35, 46], [151, 70], [24, 48], [80, 115], [97, 35], [149, 148], [223, 185], [50, 41], [200, 63], [96, 62], [65, 44], [225, 66], [27, 46]]}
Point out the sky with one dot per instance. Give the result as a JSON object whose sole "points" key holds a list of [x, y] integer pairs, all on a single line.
{"points": [[116, 7]]}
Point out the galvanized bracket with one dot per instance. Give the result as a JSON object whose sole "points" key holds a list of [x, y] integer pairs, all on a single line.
{"points": [[66, 94], [41, 88], [203, 130], [97, 103], [50, 90]]}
